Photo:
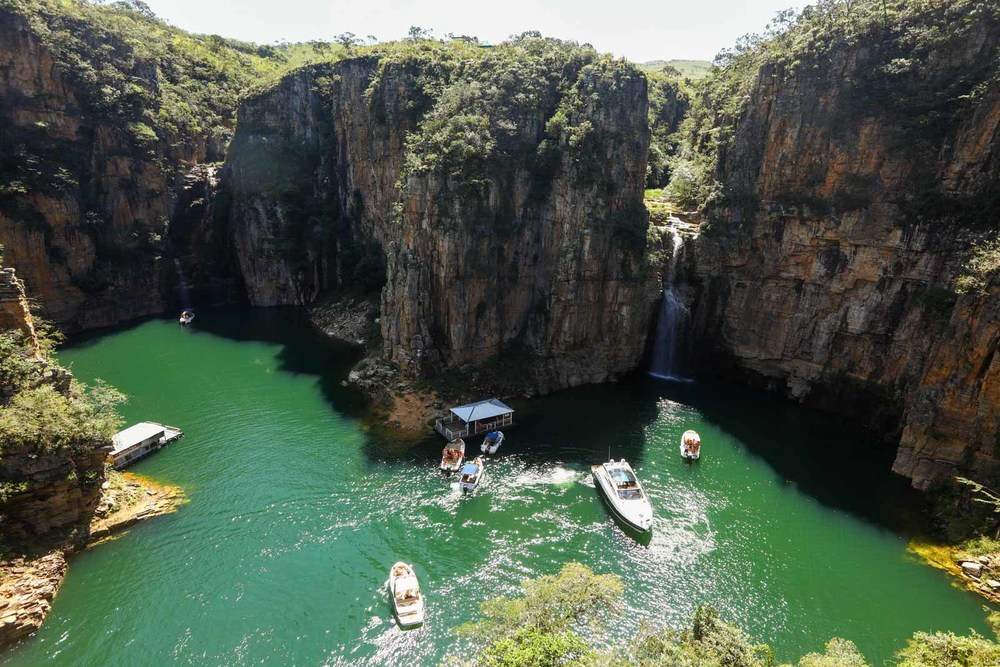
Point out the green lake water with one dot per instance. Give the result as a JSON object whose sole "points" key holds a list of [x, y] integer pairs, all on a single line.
{"points": [[297, 511]]}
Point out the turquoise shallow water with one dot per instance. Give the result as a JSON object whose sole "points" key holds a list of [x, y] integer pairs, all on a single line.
{"points": [[296, 513]]}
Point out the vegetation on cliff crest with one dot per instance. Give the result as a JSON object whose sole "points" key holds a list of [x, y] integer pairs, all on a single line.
{"points": [[485, 108], [44, 412], [906, 67], [166, 85]]}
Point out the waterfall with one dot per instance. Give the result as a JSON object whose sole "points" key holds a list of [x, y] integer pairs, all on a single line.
{"points": [[182, 286], [673, 312]]}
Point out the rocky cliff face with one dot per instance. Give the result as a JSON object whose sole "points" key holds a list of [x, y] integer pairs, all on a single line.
{"points": [[534, 250], [830, 274], [86, 201], [15, 311]]}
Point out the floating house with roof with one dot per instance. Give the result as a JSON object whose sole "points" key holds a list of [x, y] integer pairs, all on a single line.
{"points": [[140, 440], [475, 418]]}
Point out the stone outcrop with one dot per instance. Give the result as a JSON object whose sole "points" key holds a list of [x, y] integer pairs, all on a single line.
{"points": [[27, 587], [554, 276], [830, 273], [28, 584], [15, 311]]}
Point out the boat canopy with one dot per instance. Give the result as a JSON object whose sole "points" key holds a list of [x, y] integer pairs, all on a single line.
{"points": [[491, 407], [492, 435], [136, 434], [470, 469]]}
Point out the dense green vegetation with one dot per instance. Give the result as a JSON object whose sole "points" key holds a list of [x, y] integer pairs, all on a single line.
{"points": [[39, 417], [900, 75], [166, 85], [982, 268], [477, 108], [669, 101], [557, 621]]}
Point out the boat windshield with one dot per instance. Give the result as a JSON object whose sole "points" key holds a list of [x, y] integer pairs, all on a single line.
{"points": [[626, 483]]}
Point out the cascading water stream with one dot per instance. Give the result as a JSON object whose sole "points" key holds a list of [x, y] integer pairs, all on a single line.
{"points": [[182, 286], [673, 312]]}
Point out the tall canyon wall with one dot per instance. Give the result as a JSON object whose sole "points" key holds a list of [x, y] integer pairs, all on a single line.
{"points": [[851, 210]]}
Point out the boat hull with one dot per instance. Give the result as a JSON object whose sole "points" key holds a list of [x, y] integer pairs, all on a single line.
{"points": [[622, 517], [486, 448], [688, 455], [470, 487], [407, 616]]}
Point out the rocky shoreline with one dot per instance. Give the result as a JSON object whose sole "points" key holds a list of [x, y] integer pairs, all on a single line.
{"points": [[979, 574], [29, 583]]}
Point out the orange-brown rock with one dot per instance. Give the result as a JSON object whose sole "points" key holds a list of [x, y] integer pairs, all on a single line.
{"points": [[27, 587], [830, 273], [28, 584]]}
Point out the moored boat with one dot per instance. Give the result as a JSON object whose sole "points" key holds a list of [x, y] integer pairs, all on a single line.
{"points": [[452, 456], [473, 473], [492, 442], [407, 601], [186, 318], [619, 485], [691, 445]]}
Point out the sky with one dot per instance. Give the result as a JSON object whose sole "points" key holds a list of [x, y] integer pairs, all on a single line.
{"points": [[640, 30]]}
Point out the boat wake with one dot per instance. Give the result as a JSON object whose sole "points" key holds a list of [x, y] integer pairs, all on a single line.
{"points": [[551, 476]]}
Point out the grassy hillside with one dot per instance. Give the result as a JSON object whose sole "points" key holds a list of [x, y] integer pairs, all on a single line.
{"points": [[690, 69]]}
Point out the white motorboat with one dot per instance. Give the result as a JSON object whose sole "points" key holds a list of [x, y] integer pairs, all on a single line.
{"points": [[452, 456], [625, 496], [473, 473], [407, 601], [186, 318], [492, 442], [691, 445]]}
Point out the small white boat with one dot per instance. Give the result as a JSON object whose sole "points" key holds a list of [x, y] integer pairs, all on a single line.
{"points": [[691, 445], [452, 456], [407, 601], [492, 442], [473, 473], [621, 488], [186, 318]]}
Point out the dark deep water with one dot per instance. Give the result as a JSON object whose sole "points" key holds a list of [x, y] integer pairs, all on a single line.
{"points": [[296, 512]]}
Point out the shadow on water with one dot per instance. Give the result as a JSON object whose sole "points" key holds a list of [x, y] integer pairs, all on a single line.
{"points": [[303, 349], [583, 425], [820, 454]]}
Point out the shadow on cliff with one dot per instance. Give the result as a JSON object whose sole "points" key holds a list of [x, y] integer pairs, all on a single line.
{"points": [[825, 457]]}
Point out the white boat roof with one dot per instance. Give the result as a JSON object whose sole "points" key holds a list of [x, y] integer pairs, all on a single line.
{"points": [[137, 433], [491, 407]]}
